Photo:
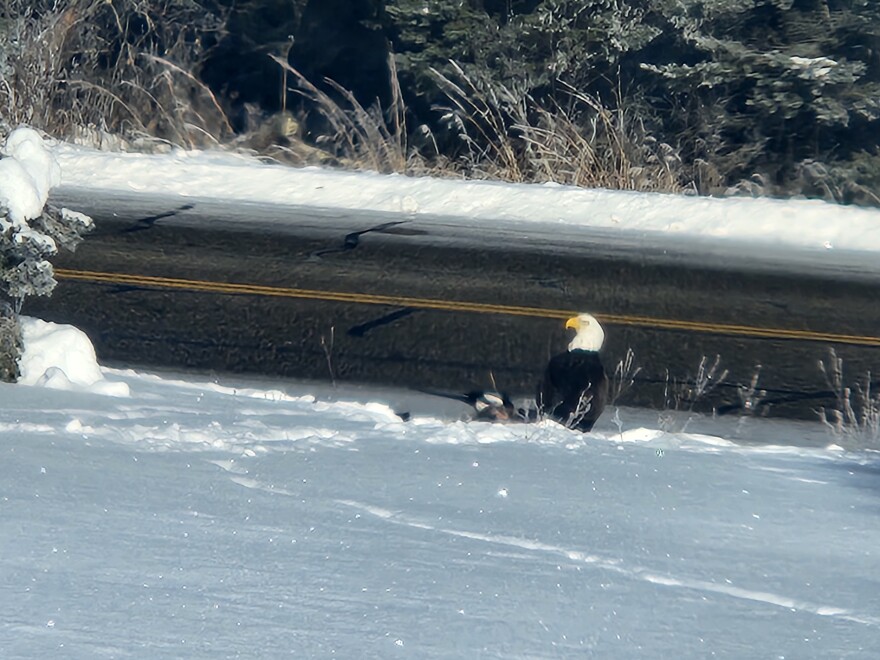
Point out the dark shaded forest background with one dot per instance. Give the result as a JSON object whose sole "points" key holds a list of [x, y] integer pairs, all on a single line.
{"points": [[757, 97]]}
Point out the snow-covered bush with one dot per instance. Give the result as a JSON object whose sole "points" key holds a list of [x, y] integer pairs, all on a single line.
{"points": [[30, 233]]}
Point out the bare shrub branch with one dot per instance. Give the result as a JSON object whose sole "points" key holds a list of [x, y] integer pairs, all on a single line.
{"points": [[327, 347], [855, 419], [683, 396], [751, 396], [623, 377]]}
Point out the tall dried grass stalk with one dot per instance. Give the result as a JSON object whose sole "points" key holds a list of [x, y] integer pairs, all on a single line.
{"points": [[483, 114], [855, 419], [682, 396], [513, 136], [364, 137], [624, 377], [92, 67]]}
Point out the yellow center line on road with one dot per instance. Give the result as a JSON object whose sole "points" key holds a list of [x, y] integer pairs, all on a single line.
{"points": [[457, 306]]}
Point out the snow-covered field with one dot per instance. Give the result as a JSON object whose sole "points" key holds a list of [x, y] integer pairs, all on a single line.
{"points": [[166, 516], [145, 516]]}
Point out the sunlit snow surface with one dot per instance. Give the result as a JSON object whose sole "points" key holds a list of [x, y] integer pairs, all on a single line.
{"points": [[205, 520], [154, 517], [27, 172]]}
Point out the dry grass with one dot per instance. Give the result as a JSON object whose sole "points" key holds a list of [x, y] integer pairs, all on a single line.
{"points": [[682, 396], [368, 138], [31, 48], [855, 419], [510, 135], [88, 69], [93, 68], [483, 114], [623, 378], [504, 134]]}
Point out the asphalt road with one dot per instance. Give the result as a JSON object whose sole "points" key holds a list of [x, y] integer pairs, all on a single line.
{"points": [[448, 304]]}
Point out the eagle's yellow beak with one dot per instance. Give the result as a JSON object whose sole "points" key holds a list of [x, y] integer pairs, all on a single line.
{"points": [[574, 322]]}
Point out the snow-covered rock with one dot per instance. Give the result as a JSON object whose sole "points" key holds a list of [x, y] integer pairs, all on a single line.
{"points": [[62, 357]]}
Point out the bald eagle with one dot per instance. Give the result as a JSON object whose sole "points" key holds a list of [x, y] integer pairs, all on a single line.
{"points": [[574, 388]]}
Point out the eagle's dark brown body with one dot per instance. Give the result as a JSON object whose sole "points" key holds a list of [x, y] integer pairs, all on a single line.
{"points": [[574, 389]]}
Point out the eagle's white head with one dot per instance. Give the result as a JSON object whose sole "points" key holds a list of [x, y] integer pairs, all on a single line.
{"points": [[589, 335]]}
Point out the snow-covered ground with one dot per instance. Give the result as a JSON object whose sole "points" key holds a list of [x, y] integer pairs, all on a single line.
{"points": [[147, 516]]}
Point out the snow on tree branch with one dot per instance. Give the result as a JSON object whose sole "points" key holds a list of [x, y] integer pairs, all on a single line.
{"points": [[30, 232]]}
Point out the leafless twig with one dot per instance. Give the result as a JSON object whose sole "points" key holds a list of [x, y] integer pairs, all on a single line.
{"points": [[328, 353]]}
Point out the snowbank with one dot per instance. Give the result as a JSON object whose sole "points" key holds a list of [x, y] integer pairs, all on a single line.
{"points": [[196, 520], [27, 172], [62, 357]]}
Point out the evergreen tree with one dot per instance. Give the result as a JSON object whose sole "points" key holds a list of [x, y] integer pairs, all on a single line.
{"points": [[760, 86], [785, 89], [30, 233], [10, 343]]}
